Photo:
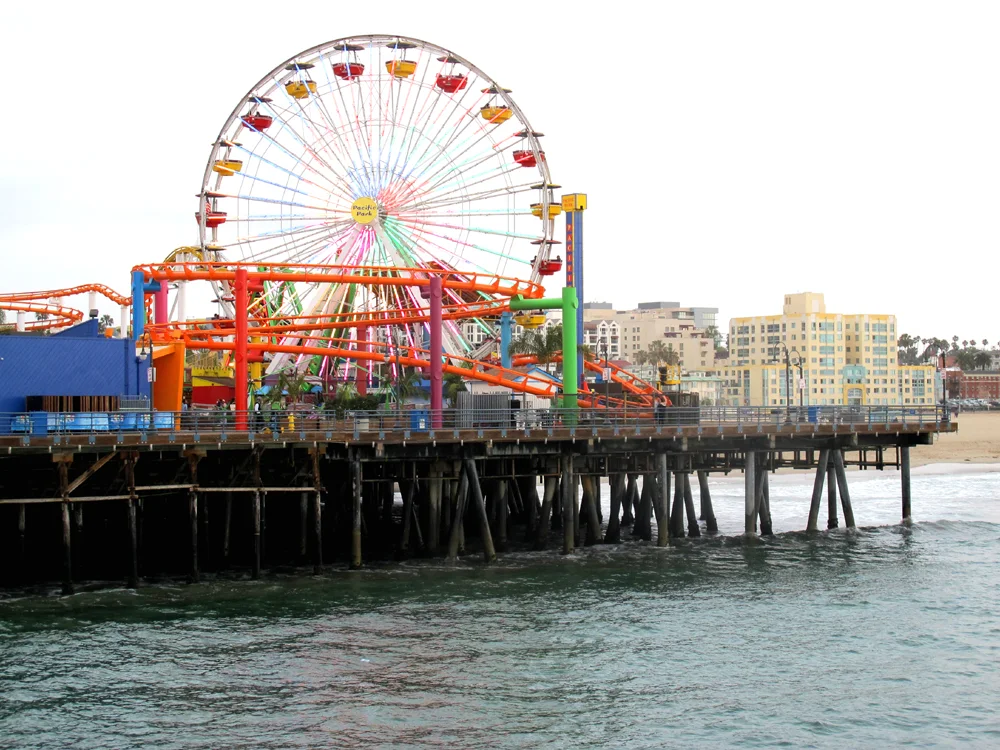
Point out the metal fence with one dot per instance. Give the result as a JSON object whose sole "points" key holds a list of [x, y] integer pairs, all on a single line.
{"points": [[403, 423]]}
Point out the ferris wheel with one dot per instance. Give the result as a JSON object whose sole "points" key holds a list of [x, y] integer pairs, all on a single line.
{"points": [[379, 151]]}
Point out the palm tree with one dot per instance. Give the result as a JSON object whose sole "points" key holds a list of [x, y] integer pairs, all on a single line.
{"points": [[3, 316], [105, 322], [983, 360], [545, 344], [954, 343], [453, 385], [659, 351], [408, 385], [292, 381], [713, 332]]}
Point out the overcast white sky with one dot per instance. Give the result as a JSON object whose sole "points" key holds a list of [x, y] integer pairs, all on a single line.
{"points": [[731, 151]]}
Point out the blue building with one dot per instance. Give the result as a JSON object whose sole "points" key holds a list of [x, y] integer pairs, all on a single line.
{"points": [[79, 361]]}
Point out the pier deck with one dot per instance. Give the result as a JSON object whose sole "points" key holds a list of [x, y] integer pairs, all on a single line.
{"points": [[194, 494]]}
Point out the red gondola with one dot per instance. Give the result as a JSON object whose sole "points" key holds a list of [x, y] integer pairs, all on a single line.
{"points": [[348, 70], [256, 121], [550, 266], [527, 158], [212, 218], [451, 84]]}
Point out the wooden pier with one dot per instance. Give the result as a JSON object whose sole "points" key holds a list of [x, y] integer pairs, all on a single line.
{"points": [[135, 506]]}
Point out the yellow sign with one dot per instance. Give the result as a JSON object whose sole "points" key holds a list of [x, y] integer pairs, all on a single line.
{"points": [[364, 210], [574, 202]]}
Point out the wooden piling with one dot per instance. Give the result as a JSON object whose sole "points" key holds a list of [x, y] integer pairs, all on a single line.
{"points": [[317, 531], [904, 468], [195, 574], [764, 508], [356, 515], [256, 534], [831, 494], [503, 508], [568, 503], [458, 519], [817, 495], [845, 493], [692, 518], [67, 585], [489, 553], [67, 539], [642, 527], [705, 497], [132, 571], [434, 512], [408, 489], [548, 493], [21, 529], [590, 503], [613, 533], [529, 491], [676, 520], [628, 501], [577, 499], [663, 501], [227, 527], [303, 525], [750, 493]]}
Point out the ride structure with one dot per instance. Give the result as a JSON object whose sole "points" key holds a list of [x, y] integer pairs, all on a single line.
{"points": [[374, 152]]}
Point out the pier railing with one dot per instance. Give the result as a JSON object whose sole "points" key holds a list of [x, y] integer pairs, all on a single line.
{"points": [[403, 423]]}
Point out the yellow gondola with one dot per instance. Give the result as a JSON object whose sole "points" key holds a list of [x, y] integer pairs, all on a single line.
{"points": [[226, 167], [300, 89], [554, 210], [401, 68], [530, 320], [496, 114]]}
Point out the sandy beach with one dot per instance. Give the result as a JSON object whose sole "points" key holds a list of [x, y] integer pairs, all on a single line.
{"points": [[977, 441]]}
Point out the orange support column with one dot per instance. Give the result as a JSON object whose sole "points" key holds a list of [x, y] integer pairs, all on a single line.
{"points": [[361, 370], [242, 298]]}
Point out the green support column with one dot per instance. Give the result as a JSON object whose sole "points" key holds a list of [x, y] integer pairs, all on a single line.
{"points": [[569, 304]]}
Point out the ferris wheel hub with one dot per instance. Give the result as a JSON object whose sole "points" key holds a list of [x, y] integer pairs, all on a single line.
{"points": [[364, 210]]}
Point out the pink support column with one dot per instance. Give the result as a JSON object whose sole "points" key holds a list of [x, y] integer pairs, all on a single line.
{"points": [[240, 359], [436, 352], [161, 307], [361, 375]]}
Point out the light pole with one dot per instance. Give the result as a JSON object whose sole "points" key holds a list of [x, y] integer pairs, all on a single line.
{"points": [[607, 380], [788, 380], [802, 384]]}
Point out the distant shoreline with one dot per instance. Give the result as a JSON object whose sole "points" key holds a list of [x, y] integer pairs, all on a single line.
{"points": [[976, 442]]}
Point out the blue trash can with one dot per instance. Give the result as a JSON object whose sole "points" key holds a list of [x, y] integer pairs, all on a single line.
{"points": [[813, 413], [420, 419]]}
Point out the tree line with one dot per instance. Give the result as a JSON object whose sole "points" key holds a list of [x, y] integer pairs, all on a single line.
{"points": [[915, 350]]}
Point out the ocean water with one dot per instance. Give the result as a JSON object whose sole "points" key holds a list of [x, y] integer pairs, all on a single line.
{"points": [[885, 636]]}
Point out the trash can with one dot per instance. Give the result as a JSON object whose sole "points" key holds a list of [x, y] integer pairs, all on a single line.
{"points": [[419, 419], [813, 413]]}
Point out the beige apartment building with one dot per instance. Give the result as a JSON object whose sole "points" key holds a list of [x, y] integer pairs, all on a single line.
{"points": [[627, 332], [843, 359]]}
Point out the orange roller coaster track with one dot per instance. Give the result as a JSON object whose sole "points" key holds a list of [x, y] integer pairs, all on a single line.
{"points": [[57, 314]]}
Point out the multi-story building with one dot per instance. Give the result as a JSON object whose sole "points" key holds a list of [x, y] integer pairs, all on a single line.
{"points": [[603, 337], [682, 329], [843, 359]]}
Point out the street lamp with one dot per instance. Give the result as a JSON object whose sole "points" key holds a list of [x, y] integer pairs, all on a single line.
{"points": [[788, 378], [607, 370], [802, 385]]}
